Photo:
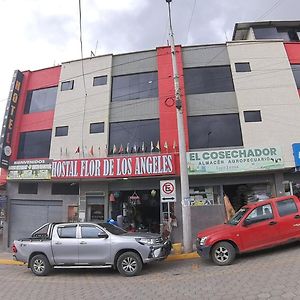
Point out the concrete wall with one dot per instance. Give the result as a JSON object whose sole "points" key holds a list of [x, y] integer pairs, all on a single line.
{"points": [[269, 87], [73, 110]]}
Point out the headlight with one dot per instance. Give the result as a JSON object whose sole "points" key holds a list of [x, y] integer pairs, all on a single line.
{"points": [[145, 241], [203, 240]]}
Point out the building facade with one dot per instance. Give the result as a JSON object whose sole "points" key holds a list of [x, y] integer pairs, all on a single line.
{"points": [[96, 139]]}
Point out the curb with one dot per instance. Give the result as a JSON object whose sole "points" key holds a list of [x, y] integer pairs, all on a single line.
{"points": [[172, 257], [183, 256], [10, 262]]}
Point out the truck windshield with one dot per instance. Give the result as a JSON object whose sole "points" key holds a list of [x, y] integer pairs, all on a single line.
{"points": [[238, 216], [113, 229]]}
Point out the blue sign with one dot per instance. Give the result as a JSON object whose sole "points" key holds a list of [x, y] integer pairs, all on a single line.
{"points": [[296, 152]]}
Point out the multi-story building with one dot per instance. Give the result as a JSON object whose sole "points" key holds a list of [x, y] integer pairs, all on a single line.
{"points": [[92, 139]]}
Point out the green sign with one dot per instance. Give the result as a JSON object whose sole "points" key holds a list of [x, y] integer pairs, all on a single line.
{"points": [[234, 160]]}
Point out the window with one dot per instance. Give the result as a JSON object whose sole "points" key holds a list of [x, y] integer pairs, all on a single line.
{"points": [[65, 188], [91, 232], [252, 116], [61, 131], [208, 80], [100, 80], [286, 207], [242, 67], [134, 136], [214, 131], [260, 213], [67, 232], [28, 188], [34, 144], [40, 100], [266, 33], [97, 127], [67, 85], [134, 86], [296, 73], [289, 34]]}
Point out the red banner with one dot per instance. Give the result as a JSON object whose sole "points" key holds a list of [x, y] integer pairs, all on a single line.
{"points": [[131, 166]]}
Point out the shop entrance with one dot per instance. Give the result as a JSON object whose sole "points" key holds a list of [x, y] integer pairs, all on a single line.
{"points": [[140, 209], [241, 194]]}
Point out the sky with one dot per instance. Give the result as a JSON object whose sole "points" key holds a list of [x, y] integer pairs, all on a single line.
{"points": [[37, 34]]}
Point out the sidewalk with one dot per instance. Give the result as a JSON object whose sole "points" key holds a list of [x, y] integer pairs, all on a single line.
{"points": [[6, 258]]}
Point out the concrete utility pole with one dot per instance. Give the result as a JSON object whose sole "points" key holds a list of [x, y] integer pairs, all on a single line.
{"points": [[184, 179]]}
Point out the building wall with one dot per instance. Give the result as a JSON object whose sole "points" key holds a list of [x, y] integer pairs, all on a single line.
{"points": [[75, 110], [212, 103], [34, 121], [270, 88], [138, 109]]}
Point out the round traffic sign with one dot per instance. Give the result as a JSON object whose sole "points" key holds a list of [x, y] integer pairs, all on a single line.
{"points": [[168, 188]]}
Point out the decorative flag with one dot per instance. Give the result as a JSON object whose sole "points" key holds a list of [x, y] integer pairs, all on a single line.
{"points": [[77, 150], [91, 152], [66, 151], [174, 145], [166, 145], [106, 150], [121, 150], [152, 146], [143, 147], [127, 148], [61, 151], [99, 149], [134, 148], [158, 146], [114, 149]]}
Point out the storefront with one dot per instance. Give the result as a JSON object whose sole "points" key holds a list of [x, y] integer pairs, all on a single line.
{"points": [[243, 175]]}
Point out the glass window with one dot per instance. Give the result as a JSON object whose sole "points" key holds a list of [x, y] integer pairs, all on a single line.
{"points": [[205, 195], [134, 86], [134, 136], [67, 85], [286, 207], [296, 73], [65, 188], [28, 188], [61, 131], [34, 144], [97, 127], [252, 116], [261, 213], [238, 216], [67, 232], [208, 80], [90, 232], [213, 131], [266, 33], [242, 67], [100, 80], [113, 229], [40, 100]]}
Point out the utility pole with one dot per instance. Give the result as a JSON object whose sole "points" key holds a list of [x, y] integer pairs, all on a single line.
{"points": [[184, 179]]}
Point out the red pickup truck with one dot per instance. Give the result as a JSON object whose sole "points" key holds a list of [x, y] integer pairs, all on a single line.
{"points": [[255, 226]]}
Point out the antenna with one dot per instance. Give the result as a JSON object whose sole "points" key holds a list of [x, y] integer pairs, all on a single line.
{"points": [[93, 53]]}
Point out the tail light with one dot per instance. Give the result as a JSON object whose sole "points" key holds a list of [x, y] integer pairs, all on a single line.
{"points": [[14, 248]]}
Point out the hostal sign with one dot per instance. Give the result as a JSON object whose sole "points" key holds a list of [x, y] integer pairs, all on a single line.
{"points": [[132, 166]]}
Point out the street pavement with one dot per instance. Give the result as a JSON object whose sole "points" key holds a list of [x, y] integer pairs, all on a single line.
{"points": [[269, 274]]}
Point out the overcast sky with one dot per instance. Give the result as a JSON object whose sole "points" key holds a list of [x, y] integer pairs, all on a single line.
{"points": [[41, 33]]}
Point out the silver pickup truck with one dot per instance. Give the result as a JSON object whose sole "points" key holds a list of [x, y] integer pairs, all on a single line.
{"points": [[88, 244]]}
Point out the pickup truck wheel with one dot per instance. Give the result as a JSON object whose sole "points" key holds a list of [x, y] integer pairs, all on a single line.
{"points": [[223, 253], [129, 264], [39, 265]]}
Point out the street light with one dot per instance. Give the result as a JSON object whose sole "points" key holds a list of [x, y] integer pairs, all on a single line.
{"points": [[184, 179]]}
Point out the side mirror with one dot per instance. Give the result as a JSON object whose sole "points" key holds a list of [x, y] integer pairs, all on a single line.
{"points": [[247, 222], [102, 235]]}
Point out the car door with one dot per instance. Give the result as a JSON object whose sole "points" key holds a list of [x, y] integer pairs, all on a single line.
{"points": [[288, 219], [65, 244], [259, 229], [94, 245]]}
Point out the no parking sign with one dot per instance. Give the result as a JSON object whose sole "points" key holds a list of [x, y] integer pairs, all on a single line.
{"points": [[167, 191]]}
